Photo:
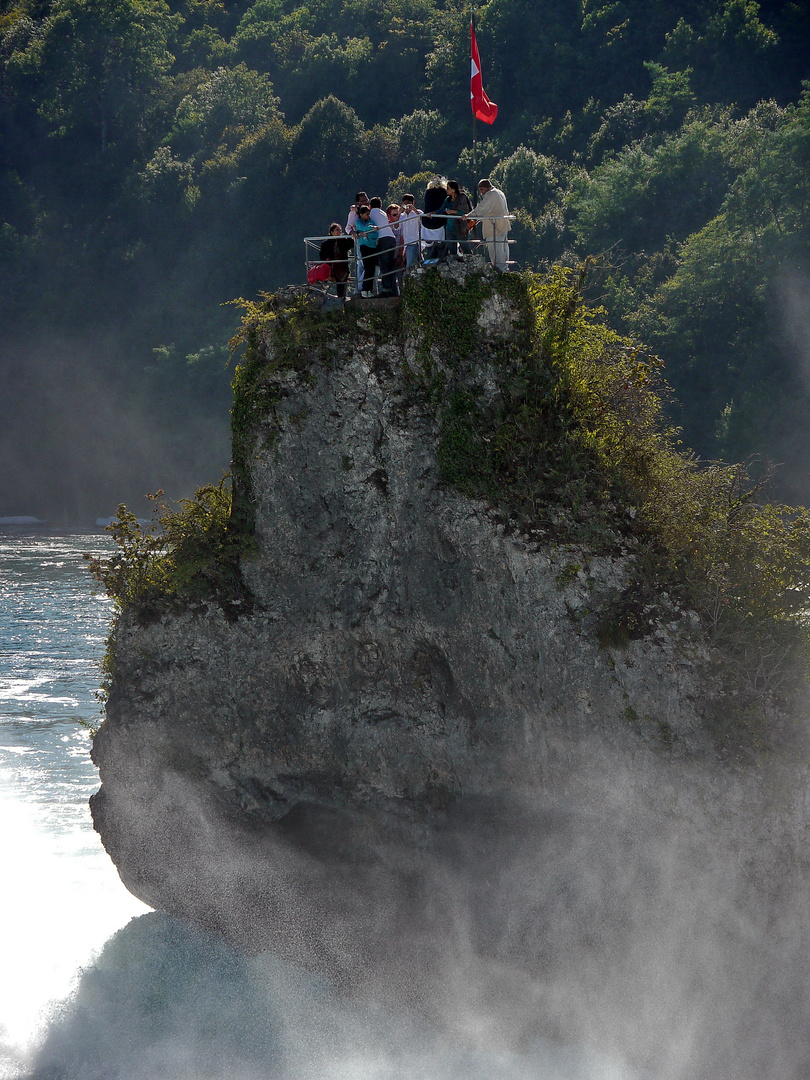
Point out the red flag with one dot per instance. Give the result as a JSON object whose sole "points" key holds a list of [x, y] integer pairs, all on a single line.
{"points": [[482, 107]]}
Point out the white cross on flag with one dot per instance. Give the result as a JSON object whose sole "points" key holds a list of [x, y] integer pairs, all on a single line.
{"points": [[482, 107]]}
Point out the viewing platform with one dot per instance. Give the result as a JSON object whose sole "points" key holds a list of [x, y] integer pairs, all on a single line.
{"points": [[432, 251]]}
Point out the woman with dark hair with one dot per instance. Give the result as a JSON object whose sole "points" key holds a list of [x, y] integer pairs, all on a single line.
{"points": [[366, 232], [433, 227], [335, 252], [456, 205], [360, 199]]}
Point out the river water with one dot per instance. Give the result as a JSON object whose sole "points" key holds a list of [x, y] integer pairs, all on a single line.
{"points": [[96, 987], [61, 897]]}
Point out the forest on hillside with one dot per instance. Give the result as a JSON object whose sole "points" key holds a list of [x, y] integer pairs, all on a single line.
{"points": [[160, 158]]}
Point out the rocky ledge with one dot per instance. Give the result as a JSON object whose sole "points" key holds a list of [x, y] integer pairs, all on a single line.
{"points": [[403, 756]]}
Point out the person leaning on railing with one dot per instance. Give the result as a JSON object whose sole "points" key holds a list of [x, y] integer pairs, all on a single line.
{"points": [[394, 214], [360, 199], [409, 225], [433, 227], [492, 212], [335, 251], [456, 206], [386, 248], [366, 232]]}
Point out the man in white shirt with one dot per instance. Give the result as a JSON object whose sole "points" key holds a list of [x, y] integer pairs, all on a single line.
{"points": [[492, 212], [410, 228]]}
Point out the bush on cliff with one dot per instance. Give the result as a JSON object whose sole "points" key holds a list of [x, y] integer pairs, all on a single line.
{"points": [[576, 447], [185, 554], [716, 538]]}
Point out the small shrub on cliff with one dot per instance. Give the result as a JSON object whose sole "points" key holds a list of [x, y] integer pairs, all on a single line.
{"points": [[576, 446], [188, 553], [709, 534], [577, 416]]}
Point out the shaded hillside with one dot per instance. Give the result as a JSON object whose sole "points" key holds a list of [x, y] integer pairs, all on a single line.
{"points": [[157, 160]]}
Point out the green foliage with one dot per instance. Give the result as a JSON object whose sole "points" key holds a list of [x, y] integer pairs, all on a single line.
{"points": [[744, 557], [575, 446], [187, 554], [572, 427], [725, 41], [419, 137], [166, 179], [530, 178], [728, 313], [646, 194], [708, 536], [326, 141], [280, 332], [113, 46], [373, 55], [227, 106], [619, 127], [671, 97]]}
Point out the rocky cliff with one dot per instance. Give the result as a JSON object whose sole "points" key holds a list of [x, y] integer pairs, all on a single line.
{"points": [[403, 754]]}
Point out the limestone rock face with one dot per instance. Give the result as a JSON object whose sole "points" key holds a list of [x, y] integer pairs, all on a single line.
{"points": [[402, 650], [409, 687], [402, 647]]}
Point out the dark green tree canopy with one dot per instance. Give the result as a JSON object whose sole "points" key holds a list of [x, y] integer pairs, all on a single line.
{"points": [[150, 151]]}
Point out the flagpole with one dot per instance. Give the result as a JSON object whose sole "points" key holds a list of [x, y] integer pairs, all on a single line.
{"points": [[482, 107], [475, 164], [475, 129]]}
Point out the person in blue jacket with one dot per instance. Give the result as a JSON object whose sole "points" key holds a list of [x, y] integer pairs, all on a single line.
{"points": [[366, 233]]}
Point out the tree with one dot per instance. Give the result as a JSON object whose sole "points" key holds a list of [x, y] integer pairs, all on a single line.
{"points": [[96, 59], [326, 146], [226, 107], [528, 178], [726, 46], [648, 192]]}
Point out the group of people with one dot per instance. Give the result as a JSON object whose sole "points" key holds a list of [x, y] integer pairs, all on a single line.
{"points": [[389, 242]]}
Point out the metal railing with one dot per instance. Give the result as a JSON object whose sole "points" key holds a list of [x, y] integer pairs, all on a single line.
{"points": [[426, 246]]}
